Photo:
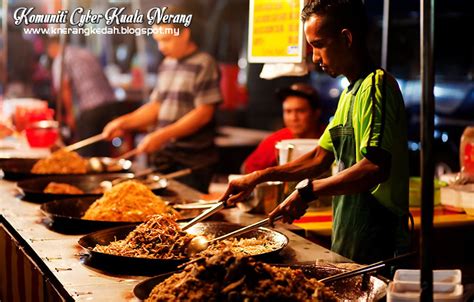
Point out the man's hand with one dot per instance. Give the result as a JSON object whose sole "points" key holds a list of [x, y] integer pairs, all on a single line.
{"points": [[153, 141], [293, 207], [113, 129], [239, 189]]}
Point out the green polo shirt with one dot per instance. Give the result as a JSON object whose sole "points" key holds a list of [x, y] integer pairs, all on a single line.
{"points": [[379, 123]]}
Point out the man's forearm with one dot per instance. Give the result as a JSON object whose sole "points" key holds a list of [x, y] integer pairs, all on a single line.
{"points": [[359, 178], [143, 117]]}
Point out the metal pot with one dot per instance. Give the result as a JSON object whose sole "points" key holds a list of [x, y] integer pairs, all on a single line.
{"points": [[264, 198]]}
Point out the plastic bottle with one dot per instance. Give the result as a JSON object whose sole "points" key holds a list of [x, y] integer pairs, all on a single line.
{"points": [[467, 152]]}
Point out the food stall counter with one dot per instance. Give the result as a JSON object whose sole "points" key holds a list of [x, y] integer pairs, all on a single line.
{"points": [[38, 264]]}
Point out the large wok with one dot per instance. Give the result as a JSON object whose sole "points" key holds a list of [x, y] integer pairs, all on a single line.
{"points": [[20, 168], [33, 188], [143, 266], [65, 216], [353, 289]]}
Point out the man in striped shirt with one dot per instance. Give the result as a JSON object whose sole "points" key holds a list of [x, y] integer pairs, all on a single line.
{"points": [[181, 108]]}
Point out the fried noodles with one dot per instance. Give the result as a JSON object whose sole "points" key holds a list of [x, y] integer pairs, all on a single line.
{"points": [[162, 238], [128, 201], [224, 277], [159, 237], [61, 162], [61, 188]]}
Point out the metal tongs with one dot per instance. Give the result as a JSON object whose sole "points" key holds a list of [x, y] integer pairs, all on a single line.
{"points": [[211, 211], [85, 142], [366, 269], [200, 243]]}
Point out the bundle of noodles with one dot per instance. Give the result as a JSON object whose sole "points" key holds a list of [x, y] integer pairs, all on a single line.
{"points": [[242, 246], [128, 201], [158, 238], [62, 188], [61, 162], [224, 277]]}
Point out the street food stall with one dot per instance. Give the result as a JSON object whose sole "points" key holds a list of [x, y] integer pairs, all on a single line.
{"points": [[133, 220]]}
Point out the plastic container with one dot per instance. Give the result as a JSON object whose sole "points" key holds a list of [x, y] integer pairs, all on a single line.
{"points": [[451, 198], [406, 286], [467, 198], [415, 191], [399, 291], [439, 276], [291, 149], [42, 134]]}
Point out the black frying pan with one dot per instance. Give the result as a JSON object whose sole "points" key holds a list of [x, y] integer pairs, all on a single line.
{"points": [[352, 289], [142, 266], [33, 188], [20, 168], [65, 216]]}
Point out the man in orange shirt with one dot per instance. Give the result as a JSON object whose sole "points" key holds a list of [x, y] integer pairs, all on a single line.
{"points": [[301, 113]]}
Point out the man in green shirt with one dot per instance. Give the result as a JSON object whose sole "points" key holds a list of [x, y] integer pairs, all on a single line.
{"points": [[367, 140]]}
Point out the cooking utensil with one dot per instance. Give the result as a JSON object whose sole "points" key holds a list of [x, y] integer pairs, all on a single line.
{"points": [[200, 243], [20, 168], [107, 164], [107, 184], [98, 164], [265, 198], [65, 216], [128, 154], [146, 266], [216, 208], [33, 188], [366, 269], [155, 179], [85, 142], [200, 204], [347, 290]]}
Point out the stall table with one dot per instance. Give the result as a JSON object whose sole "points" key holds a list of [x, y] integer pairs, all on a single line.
{"points": [[37, 264], [453, 240]]}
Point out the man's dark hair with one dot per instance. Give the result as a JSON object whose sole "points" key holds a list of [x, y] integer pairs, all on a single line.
{"points": [[196, 25], [342, 14], [303, 90]]}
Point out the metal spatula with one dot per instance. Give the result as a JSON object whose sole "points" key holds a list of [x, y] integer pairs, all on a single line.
{"points": [[85, 142], [200, 243]]}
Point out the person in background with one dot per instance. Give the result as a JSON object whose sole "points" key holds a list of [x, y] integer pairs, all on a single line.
{"points": [[181, 109], [301, 113], [86, 93], [20, 63], [366, 138]]}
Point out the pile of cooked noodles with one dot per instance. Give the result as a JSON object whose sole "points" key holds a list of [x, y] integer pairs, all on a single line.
{"points": [[242, 246], [224, 277], [162, 238], [62, 188], [159, 237], [61, 162], [128, 201]]}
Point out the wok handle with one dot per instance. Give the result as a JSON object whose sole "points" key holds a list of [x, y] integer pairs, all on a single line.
{"points": [[246, 229], [135, 175], [127, 154], [204, 215], [184, 172], [366, 269], [179, 173]]}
